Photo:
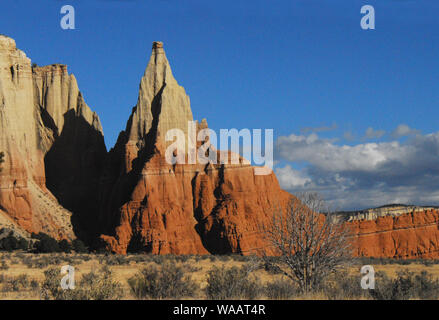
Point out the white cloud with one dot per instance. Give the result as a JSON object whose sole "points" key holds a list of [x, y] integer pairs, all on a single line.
{"points": [[371, 133], [290, 178], [323, 153], [363, 175], [403, 130], [348, 135]]}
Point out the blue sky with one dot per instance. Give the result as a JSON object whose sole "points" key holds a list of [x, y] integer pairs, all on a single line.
{"points": [[304, 68]]}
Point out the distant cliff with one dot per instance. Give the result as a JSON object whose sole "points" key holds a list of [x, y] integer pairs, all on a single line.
{"points": [[395, 231]]}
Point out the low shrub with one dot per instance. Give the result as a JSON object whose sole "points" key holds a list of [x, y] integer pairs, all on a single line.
{"points": [[232, 283], [341, 285], [280, 289], [4, 265], [11, 243], [406, 285], [23, 244], [79, 246], [92, 286], [182, 258], [117, 260], [270, 265], [167, 281], [18, 283], [188, 267], [224, 258], [99, 286], [51, 286], [65, 246], [46, 243]]}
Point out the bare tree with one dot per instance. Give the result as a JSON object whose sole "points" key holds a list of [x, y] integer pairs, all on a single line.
{"points": [[308, 241]]}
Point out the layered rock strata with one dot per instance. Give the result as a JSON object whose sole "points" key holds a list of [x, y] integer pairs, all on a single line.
{"points": [[58, 178], [162, 208], [50, 139], [406, 234]]}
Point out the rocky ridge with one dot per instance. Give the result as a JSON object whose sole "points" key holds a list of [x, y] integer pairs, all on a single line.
{"points": [[58, 177], [404, 232]]}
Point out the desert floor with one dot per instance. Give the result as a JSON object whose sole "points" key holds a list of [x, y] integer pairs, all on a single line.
{"points": [[15, 265]]}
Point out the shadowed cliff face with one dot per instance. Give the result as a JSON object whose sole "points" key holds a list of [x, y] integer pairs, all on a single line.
{"points": [[73, 167], [74, 159], [53, 145]]}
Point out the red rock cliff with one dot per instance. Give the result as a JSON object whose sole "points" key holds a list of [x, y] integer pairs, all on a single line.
{"points": [[150, 205], [409, 235]]}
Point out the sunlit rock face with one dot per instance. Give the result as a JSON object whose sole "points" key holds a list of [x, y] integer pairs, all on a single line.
{"points": [[42, 117], [396, 232]]}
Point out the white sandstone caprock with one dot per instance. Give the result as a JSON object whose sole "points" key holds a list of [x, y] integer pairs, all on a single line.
{"points": [[162, 104]]}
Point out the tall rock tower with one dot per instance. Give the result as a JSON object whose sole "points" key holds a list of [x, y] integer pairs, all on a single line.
{"points": [[150, 205], [162, 103]]}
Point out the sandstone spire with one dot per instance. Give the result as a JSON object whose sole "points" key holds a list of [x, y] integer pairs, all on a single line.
{"points": [[162, 103], [150, 205]]}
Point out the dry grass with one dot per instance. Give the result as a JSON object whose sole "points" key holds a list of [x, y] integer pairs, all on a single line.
{"points": [[197, 268]]}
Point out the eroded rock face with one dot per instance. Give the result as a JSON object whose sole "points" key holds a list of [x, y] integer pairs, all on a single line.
{"points": [[51, 140], [73, 144], [181, 209], [409, 236], [131, 198], [150, 205], [23, 160]]}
